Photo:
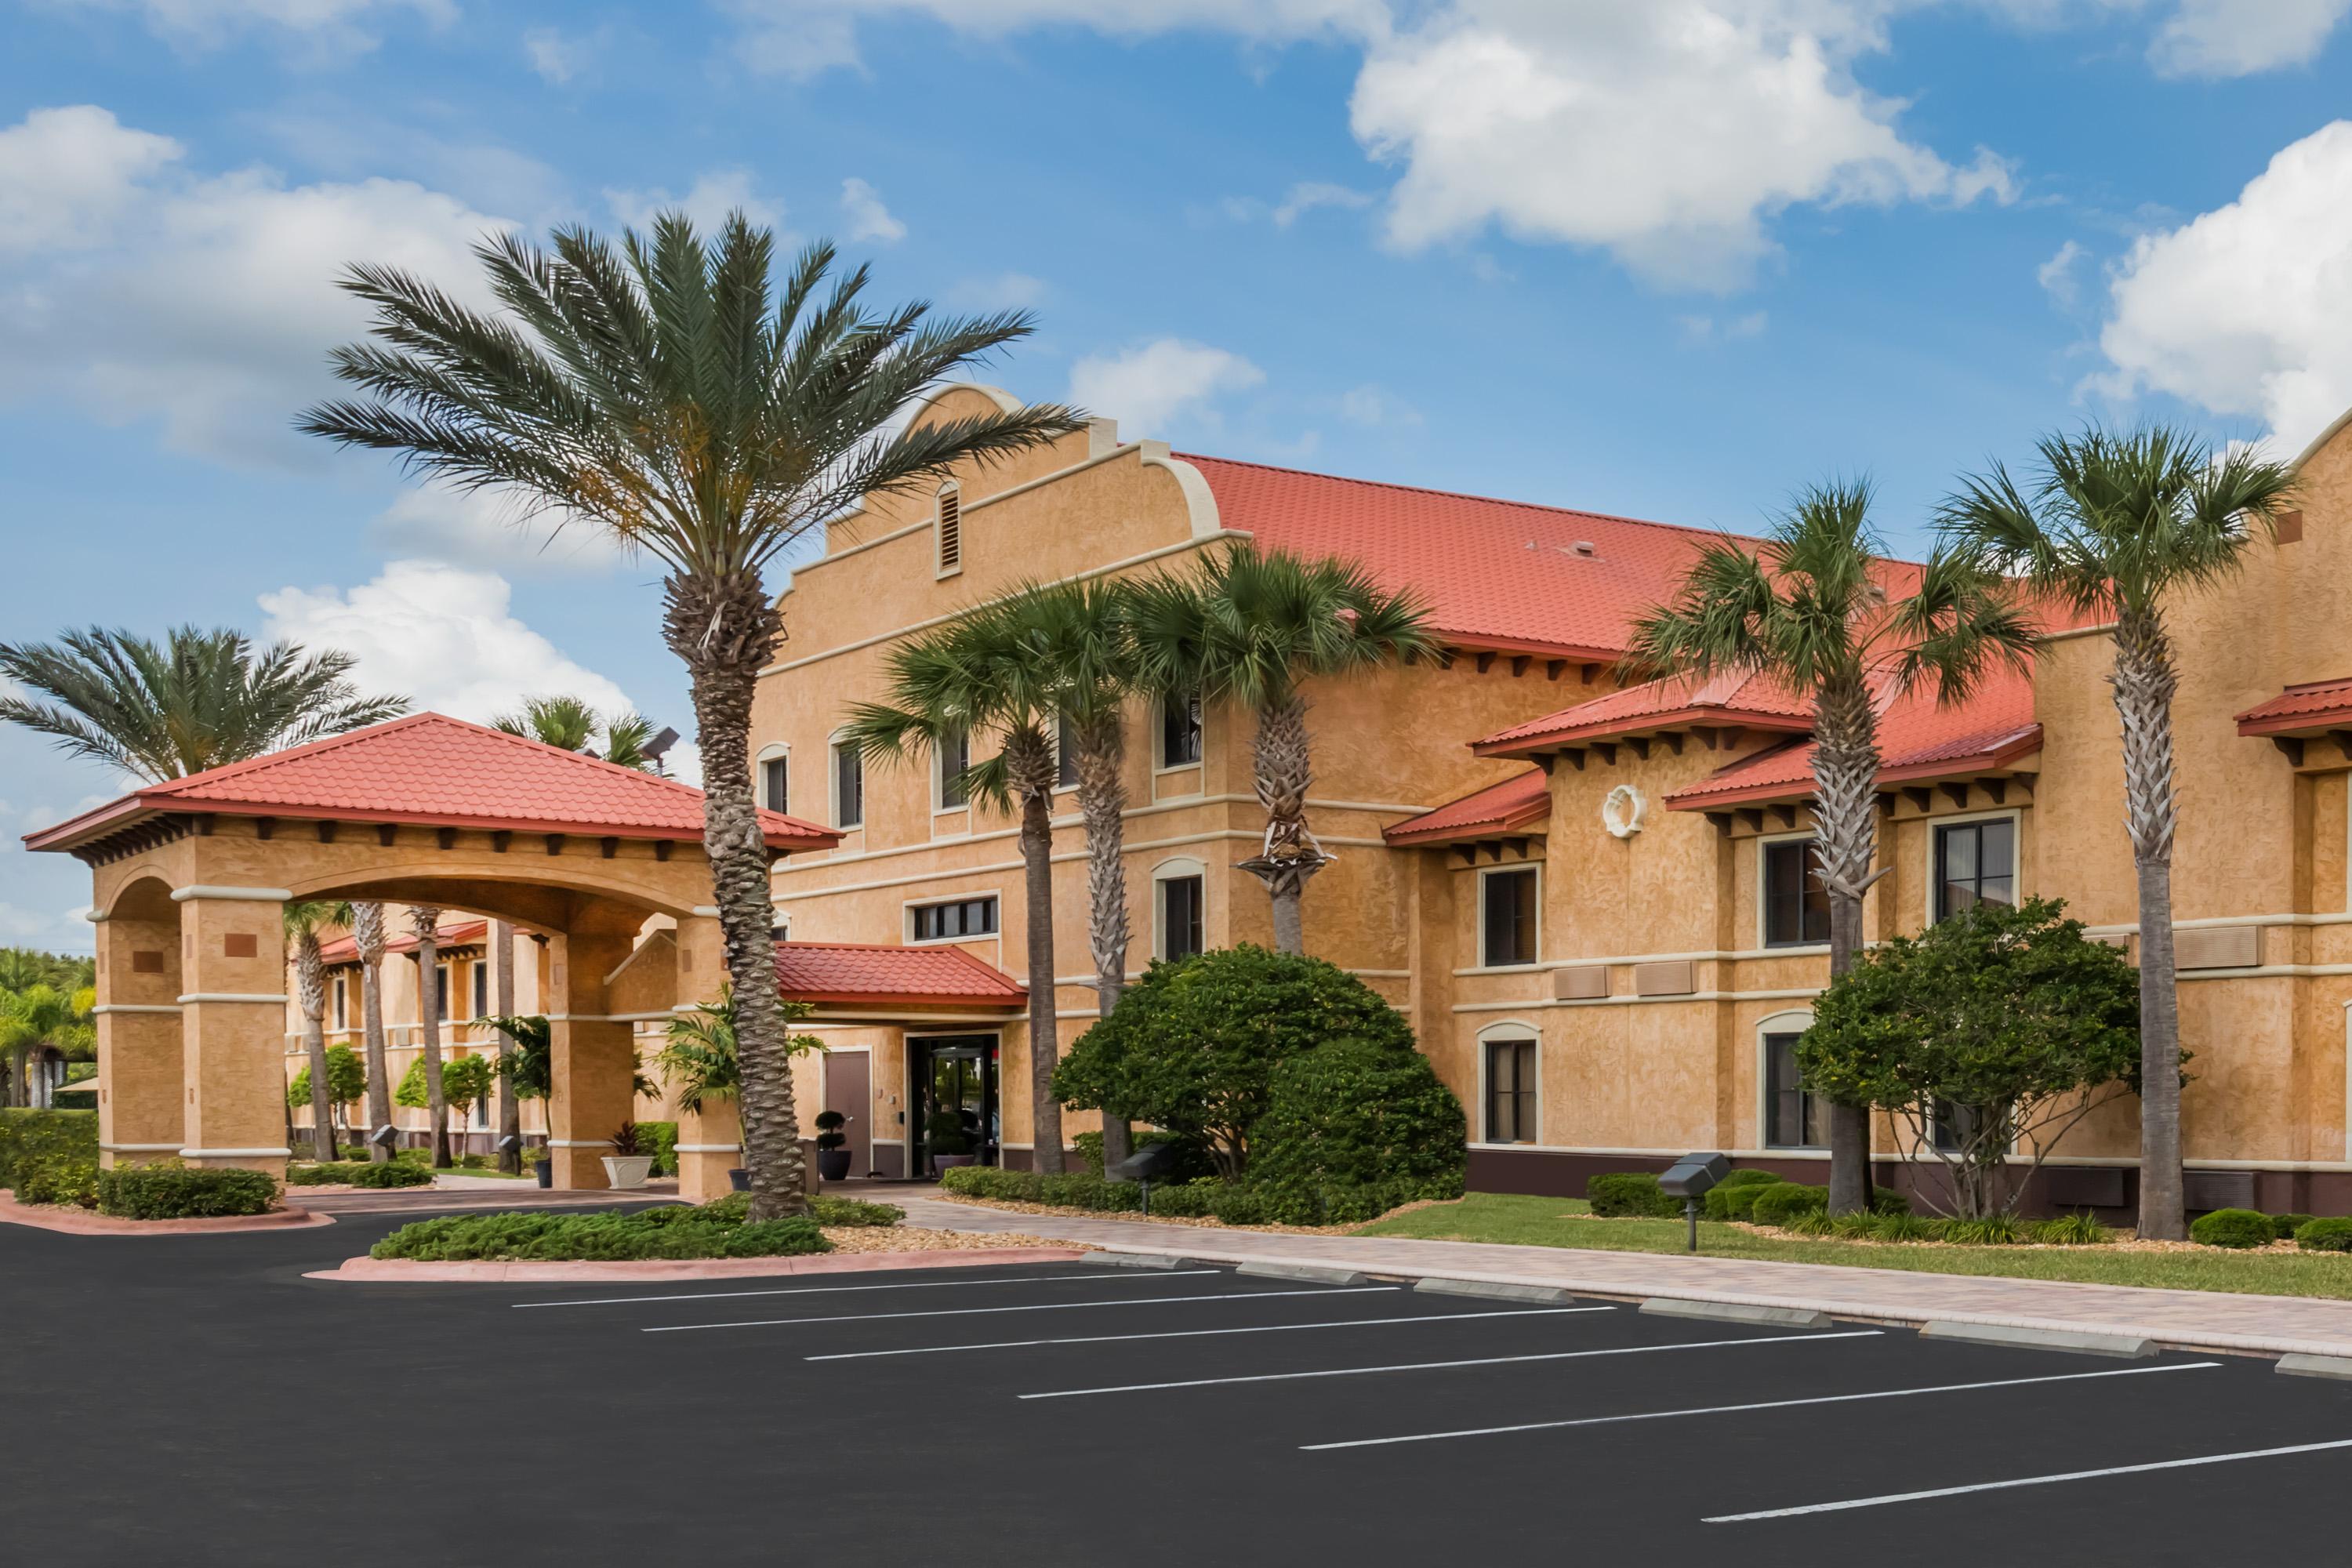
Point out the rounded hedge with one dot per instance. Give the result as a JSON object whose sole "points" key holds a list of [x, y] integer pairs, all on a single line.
{"points": [[1625, 1195], [1354, 1114], [2232, 1228], [184, 1192], [1784, 1200], [2325, 1235], [1749, 1176], [2284, 1225]]}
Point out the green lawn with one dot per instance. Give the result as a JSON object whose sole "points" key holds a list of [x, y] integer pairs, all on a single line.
{"points": [[1567, 1222]]}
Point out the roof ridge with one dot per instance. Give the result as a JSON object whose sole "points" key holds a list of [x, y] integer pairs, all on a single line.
{"points": [[269, 759]]}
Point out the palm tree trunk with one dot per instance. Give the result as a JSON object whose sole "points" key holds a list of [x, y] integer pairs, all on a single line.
{"points": [[1102, 802], [502, 940], [726, 629], [1846, 784], [310, 984], [2144, 682], [367, 932], [1284, 769], [1029, 767], [425, 920]]}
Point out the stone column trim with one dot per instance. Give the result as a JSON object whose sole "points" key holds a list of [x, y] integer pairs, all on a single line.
{"points": [[708, 1147], [605, 1017], [134, 1007], [170, 1148], [231, 1154], [249, 895], [276, 996]]}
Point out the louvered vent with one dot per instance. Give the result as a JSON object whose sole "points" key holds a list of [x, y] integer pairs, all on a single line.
{"points": [[950, 533]]}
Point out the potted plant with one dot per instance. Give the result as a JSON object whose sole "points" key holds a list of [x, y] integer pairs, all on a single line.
{"points": [[698, 1057], [831, 1146], [543, 1166], [627, 1165], [951, 1144]]}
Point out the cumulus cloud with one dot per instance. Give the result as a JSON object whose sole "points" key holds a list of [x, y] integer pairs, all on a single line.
{"points": [[69, 176], [490, 529], [801, 38], [708, 201], [869, 220], [2239, 38], [1146, 387], [2241, 311], [445, 635], [559, 58]]}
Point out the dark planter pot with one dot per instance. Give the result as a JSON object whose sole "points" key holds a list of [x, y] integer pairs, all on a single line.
{"points": [[833, 1164], [739, 1179], [546, 1171], [949, 1162]]}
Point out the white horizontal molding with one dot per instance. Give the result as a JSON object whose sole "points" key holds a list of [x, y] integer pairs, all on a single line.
{"points": [[276, 996], [1532, 1002], [232, 1153], [136, 1007], [707, 911], [993, 868], [170, 1148], [611, 1017], [246, 895], [706, 1148], [580, 1142]]}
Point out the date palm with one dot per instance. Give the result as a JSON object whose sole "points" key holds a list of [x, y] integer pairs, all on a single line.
{"points": [[198, 701], [1252, 627], [425, 925], [575, 725], [1810, 606], [663, 391], [368, 937], [2119, 526], [304, 919]]}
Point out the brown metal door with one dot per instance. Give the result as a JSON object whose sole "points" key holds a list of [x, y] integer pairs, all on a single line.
{"points": [[849, 1088]]}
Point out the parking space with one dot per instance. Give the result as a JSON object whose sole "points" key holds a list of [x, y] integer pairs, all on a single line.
{"points": [[1051, 1413]]}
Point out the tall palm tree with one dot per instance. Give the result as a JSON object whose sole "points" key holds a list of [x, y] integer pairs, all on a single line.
{"points": [[425, 925], [1810, 606], [664, 392], [1252, 627], [202, 700], [575, 725], [2117, 526], [368, 936], [304, 918], [502, 975], [970, 678]]}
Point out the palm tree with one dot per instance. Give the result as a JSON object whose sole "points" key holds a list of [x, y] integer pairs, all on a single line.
{"points": [[502, 941], [425, 925], [38, 1016], [202, 700], [575, 725], [699, 1060], [1252, 627], [2116, 526], [969, 677], [303, 920], [368, 937], [662, 391], [1810, 607]]}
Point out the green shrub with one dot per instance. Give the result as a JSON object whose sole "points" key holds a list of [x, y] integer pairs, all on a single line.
{"points": [[659, 1138], [1621, 1194], [1231, 1205], [45, 1135], [2234, 1228], [1903, 1227], [1784, 1200], [1354, 1124], [1813, 1224], [1739, 1202], [1992, 1230], [2325, 1235], [2284, 1225], [184, 1191], [1886, 1200], [669, 1231], [853, 1211], [360, 1173], [2070, 1230], [1749, 1176], [56, 1179]]}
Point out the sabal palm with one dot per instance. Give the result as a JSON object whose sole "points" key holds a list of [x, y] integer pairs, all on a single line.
{"points": [[200, 700], [304, 919], [970, 678], [2116, 526], [1810, 606], [1252, 627], [425, 925], [575, 725], [662, 390], [368, 936], [41, 1016]]}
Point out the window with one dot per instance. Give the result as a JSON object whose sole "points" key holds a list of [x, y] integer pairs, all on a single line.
{"points": [[1796, 905], [441, 987], [1066, 756], [1180, 732], [1182, 905], [1510, 1092], [343, 1002], [1792, 1118], [950, 530], [1507, 921], [1976, 863], [775, 783], [848, 788], [954, 751], [955, 919], [481, 989]]}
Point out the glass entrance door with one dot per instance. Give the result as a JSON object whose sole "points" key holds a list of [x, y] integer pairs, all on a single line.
{"points": [[955, 1094]]}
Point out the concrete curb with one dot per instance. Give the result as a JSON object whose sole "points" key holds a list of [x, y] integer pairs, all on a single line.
{"points": [[1311, 1273], [408, 1271], [2125, 1347], [1492, 1290], [1133, 1259], [1733, 1313], [2336, 1366], [68, 1221]]}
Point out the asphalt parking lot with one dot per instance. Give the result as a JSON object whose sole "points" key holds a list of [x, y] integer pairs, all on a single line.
{"points": [[195, 1397]]}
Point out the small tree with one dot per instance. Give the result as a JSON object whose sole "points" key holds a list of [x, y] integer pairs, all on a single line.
{"points": [[1987, 1038], [1192, 1047], [347, 1081], [465, 1083]]}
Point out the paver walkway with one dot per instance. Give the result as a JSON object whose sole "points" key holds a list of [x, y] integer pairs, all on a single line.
{"points": [[2191, 1319]]}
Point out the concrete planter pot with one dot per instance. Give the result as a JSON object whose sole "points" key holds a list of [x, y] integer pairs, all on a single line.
{"points": [[625, 1171], [833, 1164], [739, 1179], [545, 1170], [949, 1162]]}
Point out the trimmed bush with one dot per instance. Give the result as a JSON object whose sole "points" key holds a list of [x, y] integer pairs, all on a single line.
{"points": [[360, 1173], [1624, 1194], [56, 1179], [676, 1231], [1784, 1200], [1739, 1202], [1353, 1125], [2325, 1235], [44, 1135], [2284, 1225], [184, 1191], [2232, 1228], [854, 1212], [1748, 1177]]}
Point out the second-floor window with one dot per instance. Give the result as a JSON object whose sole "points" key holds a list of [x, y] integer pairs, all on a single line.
{"points": [[343, 1003], [481, 989], [1181, 908], [1508, 900], [956, 919], [775, 783], [955, 760], [1796, 905], [441, 989], [1976, 863], [848, 788], [1066, 756], [1180, 732]]}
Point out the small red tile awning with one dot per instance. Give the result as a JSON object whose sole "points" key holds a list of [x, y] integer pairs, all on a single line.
{"points": [[1732, 700], [447, 934], [2313, 708], [1517, 804], [868, 974], [431, 770]]}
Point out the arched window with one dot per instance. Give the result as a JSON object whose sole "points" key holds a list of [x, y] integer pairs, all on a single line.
{"points": [[775, 763], [1510, 1083], [1179, 908], [1786, 1115]]}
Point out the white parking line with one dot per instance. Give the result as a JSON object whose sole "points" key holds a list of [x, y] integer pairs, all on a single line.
{"points": [[1437, 1365], [1036, 1307], [2032, 1481], [1097, 1278], [1765, 1405], [1201, 1333]]}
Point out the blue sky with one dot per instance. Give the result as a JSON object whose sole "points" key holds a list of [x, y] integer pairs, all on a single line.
{"points": [[1671, 260]]}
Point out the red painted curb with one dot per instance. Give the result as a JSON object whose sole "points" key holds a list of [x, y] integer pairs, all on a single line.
{"points": [[83, 1222], [384, 1270]]}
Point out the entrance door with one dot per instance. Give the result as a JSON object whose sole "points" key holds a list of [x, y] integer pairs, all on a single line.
{"points": [[849, 1090], [955, 1100]]}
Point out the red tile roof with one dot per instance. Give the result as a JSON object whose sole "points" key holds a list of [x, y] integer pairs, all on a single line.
{"points": [[459, 933], [1518, 803], [1744, 701], [437, 771], [870, 973], [2313, 705]]}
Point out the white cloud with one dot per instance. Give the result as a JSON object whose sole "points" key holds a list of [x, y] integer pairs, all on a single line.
{"points": [[1312, 194], [333, 25], [802, 38], [2056, 275], [707, 202], [444, 635], [67, 175], [2239, 38], [488, 529], [560, 57], [1146, 387], [1376, 405], [2243, 311], [861, 203]]}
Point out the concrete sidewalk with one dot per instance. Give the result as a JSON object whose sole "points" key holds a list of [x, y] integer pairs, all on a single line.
{"points": [[2191, 1320]]}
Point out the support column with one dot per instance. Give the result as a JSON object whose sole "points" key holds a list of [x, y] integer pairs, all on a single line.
{"points": [[592, 1058], [139, 1046], [710, 1143], [233, 1026]]}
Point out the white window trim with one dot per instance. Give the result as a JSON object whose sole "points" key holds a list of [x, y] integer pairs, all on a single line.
{"points": [[1789, 1021], [940, 573], [775, 751], [1763, 905], [939, 786], [833, 748], [906, 907], [1936, 825], [1512, 1029], [1514, 866], [1160, 762], [1174, 869]]}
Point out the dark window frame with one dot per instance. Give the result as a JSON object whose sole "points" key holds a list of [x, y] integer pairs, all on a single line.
{"points": [[1783, 1098], [955, 920], [776, 782], [1066, 756], [1523, 925], [1798, 918], [1978, 834], [1195, 916], [848, 786], [481, 988], [1181, 742], [954, 760], [1512, 1104]]}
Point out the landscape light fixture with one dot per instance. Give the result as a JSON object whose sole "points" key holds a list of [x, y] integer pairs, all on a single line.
{"points": [[1147, 1165], [510, 1143], [385, 1136], [1688, 1179]]}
